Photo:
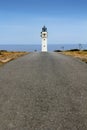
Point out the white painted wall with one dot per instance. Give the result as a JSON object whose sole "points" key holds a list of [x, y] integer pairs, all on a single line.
{"points": [[44, 41]]}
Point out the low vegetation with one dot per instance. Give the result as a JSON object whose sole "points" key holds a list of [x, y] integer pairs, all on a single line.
{"points": [[82, 54], [6, 56]]}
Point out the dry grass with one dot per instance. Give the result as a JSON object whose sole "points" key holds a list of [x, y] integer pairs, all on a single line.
{"points": [[8, 56], [79, 54]]}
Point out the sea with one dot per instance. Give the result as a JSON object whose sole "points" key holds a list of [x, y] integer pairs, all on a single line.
{"points": [[37, 47]]}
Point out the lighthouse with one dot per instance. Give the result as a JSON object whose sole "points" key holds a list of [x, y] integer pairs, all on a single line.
{"points": [[44, 35]]}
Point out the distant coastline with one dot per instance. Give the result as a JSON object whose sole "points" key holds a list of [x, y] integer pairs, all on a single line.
{"points": [[37, 47]]}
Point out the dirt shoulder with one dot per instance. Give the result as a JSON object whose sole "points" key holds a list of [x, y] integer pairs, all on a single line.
{"points": [[79, 54], [6, 56]]}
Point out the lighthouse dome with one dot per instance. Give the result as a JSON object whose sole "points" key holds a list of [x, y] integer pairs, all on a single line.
{"points": [[44, 29]]}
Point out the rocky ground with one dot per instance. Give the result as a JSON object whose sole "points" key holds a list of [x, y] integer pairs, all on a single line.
{"points": [[6, 56], [78, 54]]}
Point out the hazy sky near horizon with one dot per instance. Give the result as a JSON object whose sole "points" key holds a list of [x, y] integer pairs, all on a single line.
{"points": [[21, 21]]}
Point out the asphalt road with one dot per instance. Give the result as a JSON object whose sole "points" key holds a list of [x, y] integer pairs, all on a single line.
{"points": [[43, 91]]}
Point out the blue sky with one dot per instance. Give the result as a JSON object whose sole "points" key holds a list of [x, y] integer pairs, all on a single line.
{"points": [[21, 21]]}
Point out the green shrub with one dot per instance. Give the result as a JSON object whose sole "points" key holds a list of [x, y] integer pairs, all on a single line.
{"points": [[57, 51], [74, 50]]}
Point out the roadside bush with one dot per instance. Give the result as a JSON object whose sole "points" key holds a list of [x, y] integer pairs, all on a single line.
{"points": [[74, 50], [57, 51], [3, 50], [85, 50]]}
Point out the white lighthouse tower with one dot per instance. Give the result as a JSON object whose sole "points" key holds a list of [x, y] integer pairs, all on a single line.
{"points": [[44, 35]]}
